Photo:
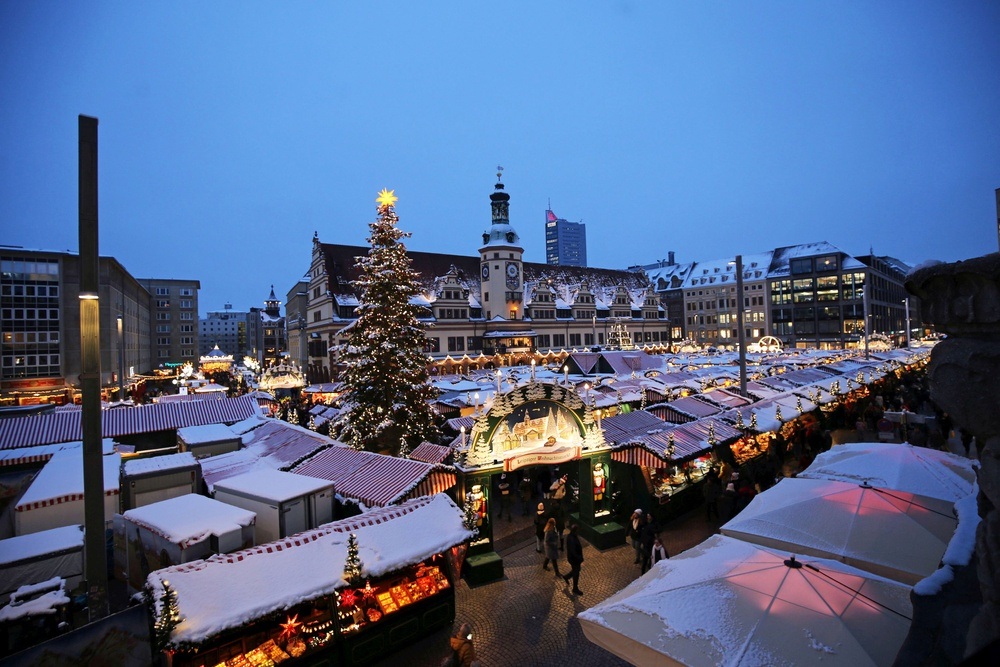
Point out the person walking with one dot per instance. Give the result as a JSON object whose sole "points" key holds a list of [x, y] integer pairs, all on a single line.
{"points": [[635, 524], [711, 490], [540, 520], [574, 556], [462, 649], [524, 489], [560, 518], [646, 538], [551, 541], [506, 496], [659, 551]]}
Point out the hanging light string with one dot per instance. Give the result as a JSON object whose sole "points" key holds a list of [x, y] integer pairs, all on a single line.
{"points": [[866, 485], [854, 590]]}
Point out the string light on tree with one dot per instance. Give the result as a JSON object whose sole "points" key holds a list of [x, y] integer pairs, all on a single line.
{"points": [[353, 564], [385, 381]]}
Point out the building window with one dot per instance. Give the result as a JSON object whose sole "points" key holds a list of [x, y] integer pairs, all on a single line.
{"points": [[186, 316], [162, 291], [163, 303], [185, 303], [456, 343]]}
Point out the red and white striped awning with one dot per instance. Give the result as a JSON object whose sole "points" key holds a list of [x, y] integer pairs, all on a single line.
{"points": [[374, 479], [430, 453], [66, 426], [638, 455]]}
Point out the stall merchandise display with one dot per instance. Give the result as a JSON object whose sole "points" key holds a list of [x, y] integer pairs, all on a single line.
{"points": [[361, 607], [666, 482]]}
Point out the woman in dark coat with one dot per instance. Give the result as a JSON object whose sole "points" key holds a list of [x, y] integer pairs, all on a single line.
{"points": [[574, 556], [551, 546], [540, 520]]}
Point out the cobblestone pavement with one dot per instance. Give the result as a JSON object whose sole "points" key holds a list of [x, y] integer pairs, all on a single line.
{"points": [[529, 617]]}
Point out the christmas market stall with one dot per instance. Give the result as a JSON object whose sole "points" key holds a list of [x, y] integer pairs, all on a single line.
{"points": [[350, 592], [536, 425], [666, 462]]}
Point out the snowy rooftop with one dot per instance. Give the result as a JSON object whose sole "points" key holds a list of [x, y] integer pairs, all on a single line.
{"points": [[228, 591], [62, 477], [274, 485], [189, 519], [33, 545], [200, 435], [135, 467]]}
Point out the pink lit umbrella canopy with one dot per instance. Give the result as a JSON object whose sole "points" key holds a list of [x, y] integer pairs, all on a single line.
{"points": [[728, 602], [918, 470], [891, 533]]}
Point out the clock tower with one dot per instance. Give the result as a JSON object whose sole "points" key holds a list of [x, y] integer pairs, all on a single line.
{"points": [[501, 269]]}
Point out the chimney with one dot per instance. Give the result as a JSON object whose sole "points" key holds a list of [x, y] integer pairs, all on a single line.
{"points": [[670, 254]]}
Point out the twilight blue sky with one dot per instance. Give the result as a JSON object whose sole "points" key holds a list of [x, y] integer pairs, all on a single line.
{"points": [[230, 131]]}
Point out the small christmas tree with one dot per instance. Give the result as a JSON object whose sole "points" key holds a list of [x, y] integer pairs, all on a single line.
{"points": [[353, 564], [404, 449], [293, 416], [168, 618], [312, 422], [470, 518]]}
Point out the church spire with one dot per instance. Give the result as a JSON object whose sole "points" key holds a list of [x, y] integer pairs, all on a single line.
{"points": [[500, 201]]}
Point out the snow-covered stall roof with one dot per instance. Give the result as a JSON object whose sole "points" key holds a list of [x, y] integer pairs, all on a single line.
{"points": [[45, 604], [205, 434], [376, 479], [61, 480], [272, 444], [158, 464], [42, 453], [189, 519], [43, 543], [66, 426], [273, 485], [229, 590]]}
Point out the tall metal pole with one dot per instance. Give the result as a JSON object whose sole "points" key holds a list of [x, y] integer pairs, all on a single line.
{"points": [[121, 361], [906, 303], [742, 336], [864, 306], [95, 556]]}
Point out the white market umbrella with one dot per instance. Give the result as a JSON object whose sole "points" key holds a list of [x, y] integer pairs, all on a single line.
{"points": [[890, 533], [728, 602], [924, 472]]}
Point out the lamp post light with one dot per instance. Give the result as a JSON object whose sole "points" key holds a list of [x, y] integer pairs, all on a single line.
{"points": [[741, 334], [532, 370], [499, 375], [477, 404], [463, 436], [906, 304], [566, 375], [864, 308], [121, 361]]}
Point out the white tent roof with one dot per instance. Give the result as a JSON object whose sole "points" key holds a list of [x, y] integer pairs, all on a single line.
{"points": [[727, 602], [893, 533], [925, 472]]}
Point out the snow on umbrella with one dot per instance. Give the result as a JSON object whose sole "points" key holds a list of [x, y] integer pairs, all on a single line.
{"points": [[891, 533], [924, 472], [728, 602]]}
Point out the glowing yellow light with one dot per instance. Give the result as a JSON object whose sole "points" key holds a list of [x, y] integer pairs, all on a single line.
{"points": [[387, 197]]}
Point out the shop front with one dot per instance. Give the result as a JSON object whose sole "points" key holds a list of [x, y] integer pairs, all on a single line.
{"points": [[539, 431], [348, 592]]}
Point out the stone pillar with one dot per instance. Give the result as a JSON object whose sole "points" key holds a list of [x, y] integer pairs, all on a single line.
{"points": [[962, 300]]}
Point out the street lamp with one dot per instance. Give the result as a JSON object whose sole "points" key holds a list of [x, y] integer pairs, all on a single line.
{"points": [[906, 304], [741, 334], [121, 361]]}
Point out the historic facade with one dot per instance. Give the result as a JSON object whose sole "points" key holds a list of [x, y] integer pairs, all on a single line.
{"points": [[494, 307]]}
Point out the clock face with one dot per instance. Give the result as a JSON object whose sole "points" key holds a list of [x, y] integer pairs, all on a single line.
{"points": [[486, 271], [513, 279]]}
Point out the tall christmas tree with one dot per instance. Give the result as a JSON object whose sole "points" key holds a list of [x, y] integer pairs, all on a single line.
{"points": [[385, 384]]}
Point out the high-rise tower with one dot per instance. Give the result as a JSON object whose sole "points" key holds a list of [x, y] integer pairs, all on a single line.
{"points": [[565, 241]]}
